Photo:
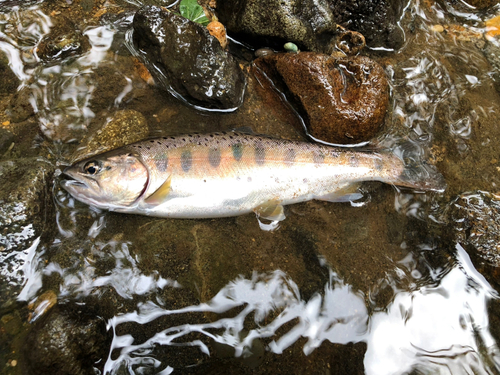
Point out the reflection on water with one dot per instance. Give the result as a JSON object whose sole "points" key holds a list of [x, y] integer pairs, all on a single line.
{"points": [[400, 339]]}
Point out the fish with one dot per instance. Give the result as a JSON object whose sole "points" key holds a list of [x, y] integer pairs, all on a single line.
{"points": [[233, 173]]}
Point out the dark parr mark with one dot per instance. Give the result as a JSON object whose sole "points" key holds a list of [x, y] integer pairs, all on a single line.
{"points": [[378, 164], [290, 156], [186, 160], [162, 163], [237, 151], [214, 157], [260, 155]]}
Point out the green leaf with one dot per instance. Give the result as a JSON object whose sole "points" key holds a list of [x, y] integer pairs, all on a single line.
{"points": [[191, 10]]}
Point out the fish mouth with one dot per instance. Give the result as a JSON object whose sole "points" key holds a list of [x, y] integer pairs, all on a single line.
{"points": [[69, 182]]}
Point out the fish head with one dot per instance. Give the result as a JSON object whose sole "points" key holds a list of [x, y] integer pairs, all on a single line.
{"points": [[112, 180]]}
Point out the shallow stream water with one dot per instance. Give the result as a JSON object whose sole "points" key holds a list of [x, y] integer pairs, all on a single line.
{"points": [[397, 283]]}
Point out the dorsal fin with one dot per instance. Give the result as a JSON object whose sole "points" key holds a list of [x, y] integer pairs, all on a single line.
{"points": [[160, 195]]}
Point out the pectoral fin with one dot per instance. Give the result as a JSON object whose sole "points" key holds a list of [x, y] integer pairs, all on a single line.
{"points": [[270, 210], [160, 195], [348, 193]]}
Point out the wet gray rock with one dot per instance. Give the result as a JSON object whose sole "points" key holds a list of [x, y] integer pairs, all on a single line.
{"points": [[476, 217], [68, 340], [186, 60], [376, 20], [25, 206], [9, 81], [63, 40], [125, 127], [312, 24]]}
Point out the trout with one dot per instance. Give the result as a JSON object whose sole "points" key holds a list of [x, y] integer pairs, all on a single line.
{"points": [[232, 173]]}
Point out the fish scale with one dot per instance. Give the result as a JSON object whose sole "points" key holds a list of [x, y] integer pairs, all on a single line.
{"points": [[231, 173]]}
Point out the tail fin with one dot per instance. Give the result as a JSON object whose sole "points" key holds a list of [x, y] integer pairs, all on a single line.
{"points": [[421, 176], [417, 174]]}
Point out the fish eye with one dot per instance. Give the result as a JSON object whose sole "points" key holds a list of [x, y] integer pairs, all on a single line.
{"points": [[92, 167]]}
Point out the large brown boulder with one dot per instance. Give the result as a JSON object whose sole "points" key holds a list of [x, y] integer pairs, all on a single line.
{"points": [[343, 101]]}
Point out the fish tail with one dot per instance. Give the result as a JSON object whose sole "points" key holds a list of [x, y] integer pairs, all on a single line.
{"points": [[421, 176], [416, 172]]}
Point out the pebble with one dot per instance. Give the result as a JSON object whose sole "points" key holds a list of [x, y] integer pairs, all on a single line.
{"points": [[437, 28]]}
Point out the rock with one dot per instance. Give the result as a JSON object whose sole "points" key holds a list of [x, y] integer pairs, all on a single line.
{"points": [[312, 24], [476, 219], [491, 51], [465, 6], [6, 139], [186, 60], [9, 81], [376, 20], [62, 41], [20, 108], [343, 101], [127, 126], [69, 340], [25, 203]]}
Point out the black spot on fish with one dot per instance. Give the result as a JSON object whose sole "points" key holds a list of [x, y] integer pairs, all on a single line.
{"points": [[290, 156], [260, 155], [353, 161], [214, 157], [186, 160], [152, 141], [162, 163], [318, 157], [237, 151]]}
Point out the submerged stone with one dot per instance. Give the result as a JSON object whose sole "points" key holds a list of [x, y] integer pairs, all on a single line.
{"points": [[25, 205], [68, 340], [20, 108], [125, 127], [62, 41], [9, 81], [476, 217], [186, 60], [342, 100]]}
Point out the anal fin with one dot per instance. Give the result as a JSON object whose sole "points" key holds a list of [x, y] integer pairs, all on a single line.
{"points": [[160, 195], [348, 193]]}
